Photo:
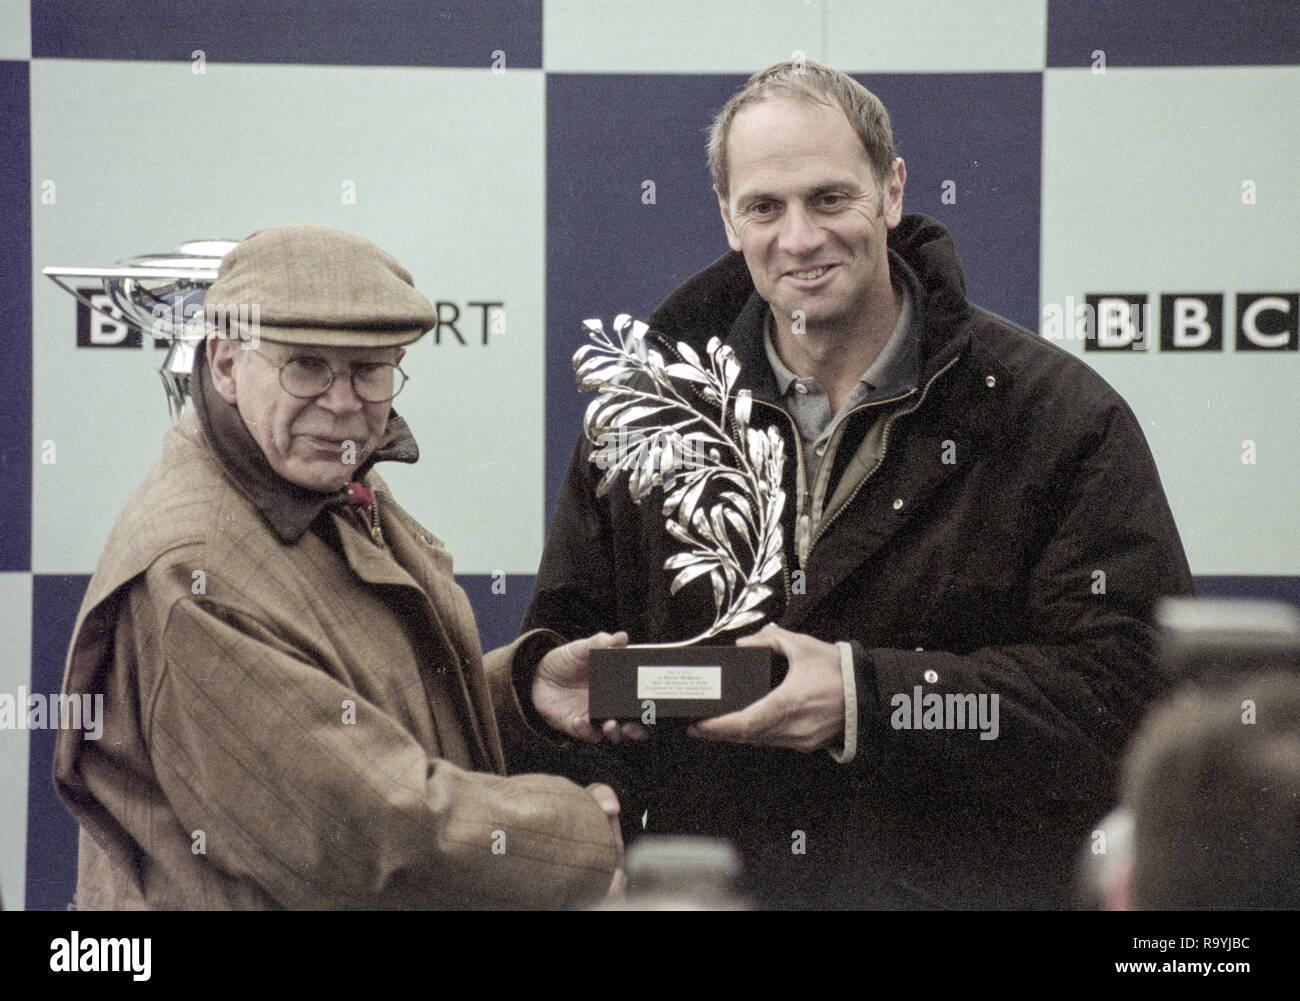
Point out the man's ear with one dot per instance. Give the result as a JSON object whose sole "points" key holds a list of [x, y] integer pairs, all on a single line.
{"points": [[732, 238], [893, 192], [221, 363]]}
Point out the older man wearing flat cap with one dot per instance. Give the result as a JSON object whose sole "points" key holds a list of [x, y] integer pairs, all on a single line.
{"points": [[298, 713]]}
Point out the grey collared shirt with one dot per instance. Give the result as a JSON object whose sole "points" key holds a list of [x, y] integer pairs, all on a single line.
{"points": [[894, 372]]}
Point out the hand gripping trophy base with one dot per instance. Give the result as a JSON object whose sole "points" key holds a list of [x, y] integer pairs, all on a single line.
{"points": [[654, 420]]}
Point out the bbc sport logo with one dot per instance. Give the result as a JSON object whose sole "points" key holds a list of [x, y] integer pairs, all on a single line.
{"points": [[1189, 321], [477, 322]]}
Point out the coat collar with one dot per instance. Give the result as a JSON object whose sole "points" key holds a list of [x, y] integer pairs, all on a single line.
{"points": [[721, 302], [288, 508]]}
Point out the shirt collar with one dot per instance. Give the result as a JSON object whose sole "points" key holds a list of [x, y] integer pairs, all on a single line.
{"points": [[894, 370], [288, 508]]}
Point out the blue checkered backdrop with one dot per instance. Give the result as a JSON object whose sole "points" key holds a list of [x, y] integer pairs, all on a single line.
{"points": [[536, 163]]}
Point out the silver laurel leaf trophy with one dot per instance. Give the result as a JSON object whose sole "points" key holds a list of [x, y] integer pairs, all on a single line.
{"points": [[159, 294], [646, 422]]}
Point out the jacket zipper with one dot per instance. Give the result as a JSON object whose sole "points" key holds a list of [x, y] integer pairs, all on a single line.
{"points": [[671, 348], [371, 523], [884, 445]]}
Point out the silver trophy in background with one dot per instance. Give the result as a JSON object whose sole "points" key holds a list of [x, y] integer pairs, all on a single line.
{"points": [[162, 295], [653, 420]]}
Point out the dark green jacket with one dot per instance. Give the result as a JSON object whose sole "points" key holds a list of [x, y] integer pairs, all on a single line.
{"points": [[1012, 540]]}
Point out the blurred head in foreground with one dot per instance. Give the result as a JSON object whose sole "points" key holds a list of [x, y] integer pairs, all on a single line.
{"points": [[1212, 781]]}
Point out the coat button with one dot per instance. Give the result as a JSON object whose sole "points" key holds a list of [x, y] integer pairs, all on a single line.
{"points": [[898, 503], [990, 381], [931, 677]]}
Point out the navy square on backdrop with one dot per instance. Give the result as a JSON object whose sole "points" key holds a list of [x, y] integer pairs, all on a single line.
{"points": [[984, 133], [1264, 588], [499, 602], [15, 316], [612, 249], [1189, 33], [51, 831], [340, 32]]}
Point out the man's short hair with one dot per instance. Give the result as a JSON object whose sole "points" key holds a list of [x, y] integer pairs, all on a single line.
{"points": [[1213, 780], [809, 81]]}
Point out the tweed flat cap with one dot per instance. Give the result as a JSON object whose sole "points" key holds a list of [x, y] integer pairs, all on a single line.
{"points": [[311, 284]]}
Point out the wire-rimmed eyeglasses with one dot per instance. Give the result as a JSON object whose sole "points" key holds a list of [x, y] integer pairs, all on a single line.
{"points": [[309, 376]]}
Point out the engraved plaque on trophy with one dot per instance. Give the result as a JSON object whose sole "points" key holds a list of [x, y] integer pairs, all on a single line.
{"points": [[653, 420]]}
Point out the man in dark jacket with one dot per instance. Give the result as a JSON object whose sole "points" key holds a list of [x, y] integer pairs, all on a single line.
{"points": [[975, 535]]}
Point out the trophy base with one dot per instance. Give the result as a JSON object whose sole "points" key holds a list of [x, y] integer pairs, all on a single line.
{"points": [[648, 683]]}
